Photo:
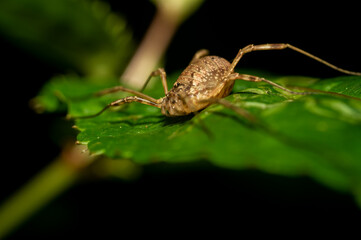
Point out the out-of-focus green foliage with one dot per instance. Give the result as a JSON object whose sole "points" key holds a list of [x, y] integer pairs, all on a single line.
{"points": [[60, 91], [314, 135], [81, 35]]}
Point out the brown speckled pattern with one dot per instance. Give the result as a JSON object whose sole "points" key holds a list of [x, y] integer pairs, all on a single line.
{"points": [[202, 80]]}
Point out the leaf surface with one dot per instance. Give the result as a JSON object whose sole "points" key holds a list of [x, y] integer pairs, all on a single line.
{"points": [[315, 135]]}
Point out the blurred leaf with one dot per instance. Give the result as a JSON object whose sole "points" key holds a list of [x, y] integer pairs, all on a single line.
{"points": [[61, 91], [313, 135], [351, 87], [80, 34]]}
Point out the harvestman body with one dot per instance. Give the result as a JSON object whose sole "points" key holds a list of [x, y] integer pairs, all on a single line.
{"points": [[205, 81]]}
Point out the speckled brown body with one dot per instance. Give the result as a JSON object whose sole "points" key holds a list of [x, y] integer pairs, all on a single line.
{"points": [[202, 80]]}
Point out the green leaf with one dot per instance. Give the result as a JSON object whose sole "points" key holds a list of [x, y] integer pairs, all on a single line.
{"points": [[314, 135], [80, 34], [351, 87], [62, 91]]}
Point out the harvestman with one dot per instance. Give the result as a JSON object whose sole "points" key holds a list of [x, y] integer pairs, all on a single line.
{"points": [[205, 81]]}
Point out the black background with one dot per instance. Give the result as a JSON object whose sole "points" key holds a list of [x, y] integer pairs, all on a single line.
{"points": [[189, 195]]}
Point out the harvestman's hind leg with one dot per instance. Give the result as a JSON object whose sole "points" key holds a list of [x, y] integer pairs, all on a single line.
{"points": [[240, 111], [281, 46], [251, 78]]}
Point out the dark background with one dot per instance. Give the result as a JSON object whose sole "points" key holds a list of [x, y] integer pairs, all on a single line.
{"points": [[187, 195]]}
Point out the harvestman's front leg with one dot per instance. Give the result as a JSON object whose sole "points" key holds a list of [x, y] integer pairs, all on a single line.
{"points": [[159, 72], [123, 89], [123, 101], [199, 54], [251, 78], [139, 96]]}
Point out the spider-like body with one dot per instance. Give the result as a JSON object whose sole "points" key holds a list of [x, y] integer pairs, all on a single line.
{"points": [[202, 79]]}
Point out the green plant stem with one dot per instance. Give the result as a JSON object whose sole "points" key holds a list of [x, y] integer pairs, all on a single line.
{"points": [[45, 186], [150, 50], [170, 14]]}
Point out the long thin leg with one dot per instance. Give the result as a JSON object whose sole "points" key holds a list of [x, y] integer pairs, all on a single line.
{"points": [[123, 89], [281, 46], [199, 54], [121, 102], [251, 78], [159, 72], [238, 110]]}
